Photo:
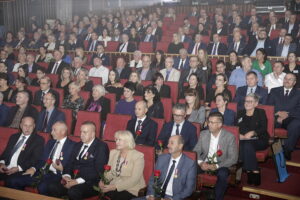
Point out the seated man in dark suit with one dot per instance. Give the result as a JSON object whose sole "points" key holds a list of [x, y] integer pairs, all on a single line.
{"points": [[237, 44], [286, 101], [101, 54], [22, 109], [251, 87], [88, 157], [216, 47], [182, 61], [58, 150], [31, 65], [179, 126], [122, 69], [170, 165], [216, 140], [73, 42], [49, 115], [282, 50], [146, 73], [93, 42], [125, 45], [143, 128], [22, 40], [22, 151], [57, 66], [148, 36], [45, 84], [4, 59], [195, 46]]}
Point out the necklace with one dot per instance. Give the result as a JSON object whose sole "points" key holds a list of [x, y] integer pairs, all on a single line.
{"points": [[119, 165]]}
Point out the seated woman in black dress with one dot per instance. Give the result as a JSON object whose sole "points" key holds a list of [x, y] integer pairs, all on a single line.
{"points": [[221, 87], [113, 84], [65, 79], [155, 107], [83, 80], [158, 62], [158, 82], [40, 73], [194, 82], [21, 85], [233, 63], [23, 72], [4, 87], [135, 78], [98, 103], [175, 45], [252, 123], [222, 100]]}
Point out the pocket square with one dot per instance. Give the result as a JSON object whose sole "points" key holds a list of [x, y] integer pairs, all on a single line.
{"points": [[91, 156]]}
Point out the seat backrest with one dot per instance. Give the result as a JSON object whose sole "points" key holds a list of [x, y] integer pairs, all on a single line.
{"points": [[160, 123], [167, 103], [68, 117], [112, 46], [38, 108], [85, 95], [174, 90], [230, 105], [111, 144], [114, 122], [9, 104], [137, 98], [162, 46], [232, 89], [60, 92], [33, 89], [146, 47], [46, 136], [191, 154], [83, 116], [198, 127], [146, 83], [235, 131], [43, 64], [112, 98], [74, 138], [5, 134], [149, 156], [96, 80], [54, 79], [270, 117]]}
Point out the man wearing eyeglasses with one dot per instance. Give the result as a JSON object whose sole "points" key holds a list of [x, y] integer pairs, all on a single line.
{"points": [[218, 145], [179, 126]]}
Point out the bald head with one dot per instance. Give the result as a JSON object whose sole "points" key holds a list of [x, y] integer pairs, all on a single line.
{"points": [[27, 125], [141, 109], [59, 130]]}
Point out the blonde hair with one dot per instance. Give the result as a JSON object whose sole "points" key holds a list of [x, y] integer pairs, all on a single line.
{"points": [[126, 136]]}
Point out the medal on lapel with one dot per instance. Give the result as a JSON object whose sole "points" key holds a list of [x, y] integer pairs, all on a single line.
{"points": [[61, 156], [176, 173], [86, 156], [24, 146]]}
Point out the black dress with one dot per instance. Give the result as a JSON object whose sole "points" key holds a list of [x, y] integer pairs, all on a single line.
{"points": [[296, 71], [115, 90], [165, 91], [174, 48], [88, 86], [156, 110], [65, 88]]}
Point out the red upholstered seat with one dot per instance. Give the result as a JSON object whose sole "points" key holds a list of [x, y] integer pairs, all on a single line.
{"points": [[38, 108], [74, 138], [54, 79], [174, 90], [86, 44], [112, 98], [146, 47], [85, 95], [68, 117], [46, 136], [83, 116], [280, 132], [146, 83], [112, 46], [96, 80], [162, 46], [33, 89], [114, 122], [60, 92], [43, 64], [198, 127], [160, 123], [5, 133], [167, 103]]}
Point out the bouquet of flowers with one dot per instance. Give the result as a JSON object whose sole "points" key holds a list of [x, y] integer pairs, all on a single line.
{"points": [[213, 160], [104, 179], [157, 184], [42, 172]]}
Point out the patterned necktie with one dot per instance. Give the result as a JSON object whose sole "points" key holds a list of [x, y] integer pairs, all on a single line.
{"points": [[16, 147], [138, 127]]}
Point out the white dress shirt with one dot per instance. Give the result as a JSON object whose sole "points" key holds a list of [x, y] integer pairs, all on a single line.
{"points": [[175, 127], [285, 50], [58, 154], [15, 156], [137, 121], [272, 82], [169, 189], [123, 47], [101, 72]]}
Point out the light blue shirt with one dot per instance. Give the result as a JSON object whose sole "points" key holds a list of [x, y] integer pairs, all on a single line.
{"points": [[238, 77]]}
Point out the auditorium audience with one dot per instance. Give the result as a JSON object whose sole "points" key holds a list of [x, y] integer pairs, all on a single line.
{"points": [[233, 63], [252, 123], [293, 67], [158, 62], [194, 83], [40, 73], [127, 167], [43, 56], [98, 102], [126, 104], [137, 60], [146, 72], [182, 61], [82, 79], [221, 87], [262, 64], [56, 66], [23, 72], [169, 72], [45, 84], [122, 69], [275, 79], [21, 61], [3, 111], [65, 79], [65, 57], [5, 89], [98, 70], [155, 106], [163, 89], [113, 84], [222, 101], [135, 78], [175, 45], [21, 85], [205, 65]]}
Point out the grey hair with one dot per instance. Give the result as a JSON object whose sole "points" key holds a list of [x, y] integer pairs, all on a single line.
{"points": [[100, 89], [254, 96], [180, 106]]}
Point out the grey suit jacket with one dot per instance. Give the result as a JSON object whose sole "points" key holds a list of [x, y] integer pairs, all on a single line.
{"points": [[198, 116], [279, 48], [174, 75], [184, 184], [149, 74], [226, 143]]}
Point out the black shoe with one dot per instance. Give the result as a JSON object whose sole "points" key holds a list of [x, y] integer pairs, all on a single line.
{"points": [[250, 178], [287, 155], [256, 178]]}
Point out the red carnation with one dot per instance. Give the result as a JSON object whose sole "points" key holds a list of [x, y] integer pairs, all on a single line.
{"points": [[160, 143], [157, 173], [49, 161], [138, 132], [75, 172], [107, 167], [219, 153]]}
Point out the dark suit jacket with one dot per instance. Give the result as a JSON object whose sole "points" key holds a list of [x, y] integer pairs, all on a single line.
{"points": [[242, 92], [294, 30], [37, 100], [192, 45], [66, 152], [149, 131], [149, 75], [222, 49], [79, 43], [90, 43], [125, 73], [151, 39], [34, 67], [290, 104], [240, 49], [4, 110], [30, 111], [279, 48], [56, 115], [184, 184], [188, 132], [257, 124], [92, 166], [177, 62], [156, 110], [59, 69], [184, 75], [158, 33], [165, 91], [130, 47], [252, 45], [229, 116], [37, 44], [104, 57], [30, 155]]}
